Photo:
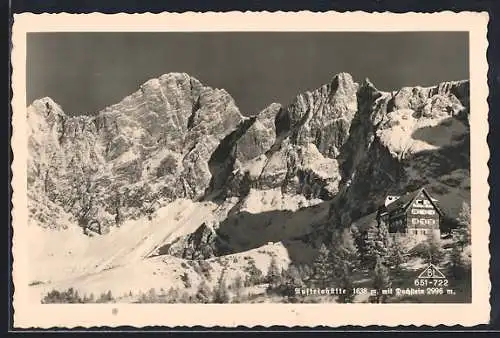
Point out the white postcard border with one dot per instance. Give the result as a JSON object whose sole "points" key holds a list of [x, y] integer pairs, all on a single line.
{"points": [[230, 315]]}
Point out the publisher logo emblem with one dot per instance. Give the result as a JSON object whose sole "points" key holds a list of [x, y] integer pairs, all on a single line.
{"points": [[431, 272]]}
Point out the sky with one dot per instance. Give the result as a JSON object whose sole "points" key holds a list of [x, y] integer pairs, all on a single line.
{"points": [[86, 72]]}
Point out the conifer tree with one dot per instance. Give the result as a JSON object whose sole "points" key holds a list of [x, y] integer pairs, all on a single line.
{"points": [[344, 247], [77, 298], [109, 296], [462, 235], [221, 293], [434, 249], [456, 262], [184, 298], [344, 258], [396, 255], [237, 287], [173, 295], [290, 279], [376, 243], [322, 268], [360, 240], [293, 277], [254, 275], [383, 238], [203, 294], [273, 275], [152, 297], [305, 272], [381, 280]]}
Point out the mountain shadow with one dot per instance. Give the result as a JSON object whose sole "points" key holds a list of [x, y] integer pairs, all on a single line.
{"points": [[447, 132], [222, 161], [299, 231]]}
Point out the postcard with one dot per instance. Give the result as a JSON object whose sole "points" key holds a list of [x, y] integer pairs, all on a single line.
{"points": [[256, 169]]}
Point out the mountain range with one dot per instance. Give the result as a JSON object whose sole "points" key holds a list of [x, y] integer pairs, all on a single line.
{"points": [[175, 172]]}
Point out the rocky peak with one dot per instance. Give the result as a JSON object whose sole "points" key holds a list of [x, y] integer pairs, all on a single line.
{"points": [[155, 143], [323, 116], [343, 84], [44, 113], [367, 90], [46, 105]]}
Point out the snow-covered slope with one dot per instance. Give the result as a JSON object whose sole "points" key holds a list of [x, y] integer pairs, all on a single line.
{"points": [[134, 241]]}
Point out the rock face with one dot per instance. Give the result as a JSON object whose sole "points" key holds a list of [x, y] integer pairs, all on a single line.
{"points": [[345, 143], [298, 151], [404, 140], [153, 145]]}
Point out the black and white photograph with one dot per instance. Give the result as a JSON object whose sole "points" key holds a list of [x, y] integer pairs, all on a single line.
{"points": [[324, 167]]}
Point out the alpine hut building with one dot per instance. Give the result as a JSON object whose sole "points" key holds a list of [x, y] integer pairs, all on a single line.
{"points": [[415, 214]]}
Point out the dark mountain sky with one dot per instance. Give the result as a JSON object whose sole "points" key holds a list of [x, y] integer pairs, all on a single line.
{"points": [[85, 72]]}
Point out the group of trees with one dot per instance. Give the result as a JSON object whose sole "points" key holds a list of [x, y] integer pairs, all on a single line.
{"points": [[334, 267], [220, 293], [459, 258], [351, 251], [375, 246], [71, 296]]}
